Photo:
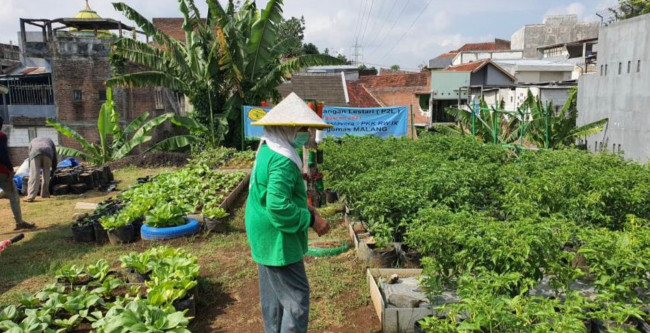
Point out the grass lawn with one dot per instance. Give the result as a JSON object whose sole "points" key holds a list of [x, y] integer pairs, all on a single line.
{"points": [[228, 300]]}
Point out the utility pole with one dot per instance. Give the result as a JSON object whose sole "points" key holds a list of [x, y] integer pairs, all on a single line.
{"points": [[357, 52]]}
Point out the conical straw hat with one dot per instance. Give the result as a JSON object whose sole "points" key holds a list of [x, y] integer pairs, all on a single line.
{"points": [[292, 111]]}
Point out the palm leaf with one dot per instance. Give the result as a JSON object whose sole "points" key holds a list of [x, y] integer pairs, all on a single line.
{"points": [[147, 79], [153, 123], [588, 129], [136, 124], [274, 78], [263, 37], [69, 132], [141, 54], [175, 143], [138, 139], [71, 152], [188, 123]]}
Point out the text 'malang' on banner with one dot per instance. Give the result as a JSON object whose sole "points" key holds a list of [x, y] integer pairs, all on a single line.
{"points": [[382, 122]]}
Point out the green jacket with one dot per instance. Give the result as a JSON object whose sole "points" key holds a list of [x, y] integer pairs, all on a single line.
{"points": [[277, 218]]}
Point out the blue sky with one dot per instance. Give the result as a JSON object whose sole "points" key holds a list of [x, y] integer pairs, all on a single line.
{"points": [[392, 33]]}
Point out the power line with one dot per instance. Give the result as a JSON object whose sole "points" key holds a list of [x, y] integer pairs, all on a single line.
{"points": [[380, 14], [357, 29], [394, 23], [383, 27], [363, 35], [408, 30]]}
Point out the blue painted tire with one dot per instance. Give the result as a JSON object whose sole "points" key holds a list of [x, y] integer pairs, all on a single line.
{"points": [[190, 228]]}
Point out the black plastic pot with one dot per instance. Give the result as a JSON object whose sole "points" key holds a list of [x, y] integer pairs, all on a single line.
{"points": [[187, 303], [83, 233], [383, 258], [101, 236], [331, 196], [132, 276], [418, 329], [137, 225], [122, 235]]}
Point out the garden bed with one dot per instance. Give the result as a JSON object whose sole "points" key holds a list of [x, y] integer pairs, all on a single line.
{"points": [[394, 319], [496, 228]]}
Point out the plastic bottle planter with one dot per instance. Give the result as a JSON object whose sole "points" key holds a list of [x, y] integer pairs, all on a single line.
{"points": [[190, 228], [122, 235]]}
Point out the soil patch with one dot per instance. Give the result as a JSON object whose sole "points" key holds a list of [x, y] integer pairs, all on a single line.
{"points": [[151, 160]]}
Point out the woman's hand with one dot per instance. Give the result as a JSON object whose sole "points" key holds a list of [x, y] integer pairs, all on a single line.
{"points": [[320, 224]]}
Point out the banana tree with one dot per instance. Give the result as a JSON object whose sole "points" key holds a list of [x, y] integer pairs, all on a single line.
{"points": [[552, 130], [490, 125], [231, 58], [116, 143]]}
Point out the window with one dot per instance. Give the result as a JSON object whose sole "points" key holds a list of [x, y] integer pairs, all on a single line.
{"points": [[158, 98], [620, 68], [76, 96], [601, 70], [605, 70], [102, 95], [638, 66], [629, 65]]}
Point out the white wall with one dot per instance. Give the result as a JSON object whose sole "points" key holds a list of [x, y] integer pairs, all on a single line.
{"points": [[625, 98]]}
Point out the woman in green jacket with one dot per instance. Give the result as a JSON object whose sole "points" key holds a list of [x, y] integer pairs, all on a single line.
{"points": [[278, 217]]}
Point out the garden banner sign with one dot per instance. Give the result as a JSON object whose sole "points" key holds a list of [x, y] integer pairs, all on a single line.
{"points": [[382, 122]]}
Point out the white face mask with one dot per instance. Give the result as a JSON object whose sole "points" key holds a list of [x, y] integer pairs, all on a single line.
{"points": [[301, 139]]}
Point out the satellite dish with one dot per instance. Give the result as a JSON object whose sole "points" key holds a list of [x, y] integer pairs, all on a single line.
{"points": [[3, 89]]}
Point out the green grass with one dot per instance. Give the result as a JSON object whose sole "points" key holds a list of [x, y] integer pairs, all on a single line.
{"points": [[227, 271]]}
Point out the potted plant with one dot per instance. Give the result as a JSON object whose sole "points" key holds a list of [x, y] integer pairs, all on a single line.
{"points": [[83, 231], [212, 216], [119, 230]]}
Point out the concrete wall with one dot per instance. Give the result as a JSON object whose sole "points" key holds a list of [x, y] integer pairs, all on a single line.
{"points": [[554, 30], [467, 57], [445, 84], [32, 111], [496, 78], [624, 98], [542, 76]]}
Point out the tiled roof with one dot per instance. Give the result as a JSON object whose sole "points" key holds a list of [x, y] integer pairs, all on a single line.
{"points": [[497, 45], [395, 81], [442, 61], [469, 67], [326, 88], [171, 26], [360, 97]]}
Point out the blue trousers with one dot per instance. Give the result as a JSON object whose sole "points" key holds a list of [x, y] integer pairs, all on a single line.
{"points": [[284, 294]]}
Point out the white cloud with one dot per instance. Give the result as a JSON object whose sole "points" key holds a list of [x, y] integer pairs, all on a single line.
{"points": [[576, 8]]}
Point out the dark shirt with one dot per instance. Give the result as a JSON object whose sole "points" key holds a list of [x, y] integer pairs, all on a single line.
{"points": [[5, 163]]}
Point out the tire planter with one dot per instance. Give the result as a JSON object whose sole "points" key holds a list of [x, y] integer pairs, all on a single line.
{"points": [[83, 233], [101, 235], [122, 235], [315, 250], [190, 228]]}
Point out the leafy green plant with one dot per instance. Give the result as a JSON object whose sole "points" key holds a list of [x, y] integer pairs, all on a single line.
{"points": [[99, 270], [214, 212], [70, 273], [166, 216]]}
